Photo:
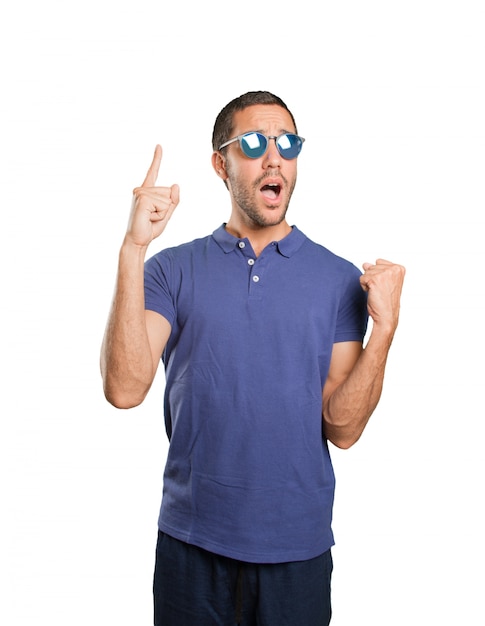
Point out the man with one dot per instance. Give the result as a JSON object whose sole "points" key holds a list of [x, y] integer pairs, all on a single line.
{"points": [[261, 334]]}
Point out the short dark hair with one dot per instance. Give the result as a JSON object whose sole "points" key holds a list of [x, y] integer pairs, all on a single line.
{"points": [[224, 124]]}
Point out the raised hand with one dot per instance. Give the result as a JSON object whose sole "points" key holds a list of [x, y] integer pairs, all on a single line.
{"points": [[152, 206], [383, 281]]}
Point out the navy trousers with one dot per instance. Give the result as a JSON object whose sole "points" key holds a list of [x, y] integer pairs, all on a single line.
{"points": [[193, 587]]}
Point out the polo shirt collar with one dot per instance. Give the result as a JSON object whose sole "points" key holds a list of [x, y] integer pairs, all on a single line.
{"points": [[286, 246]]}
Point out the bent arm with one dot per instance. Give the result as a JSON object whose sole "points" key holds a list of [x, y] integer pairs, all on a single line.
{"points": [[134, 338], [356, 375], [353, 389]]}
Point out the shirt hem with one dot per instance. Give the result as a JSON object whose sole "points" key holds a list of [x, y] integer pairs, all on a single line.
{"points": [[247, 557]]}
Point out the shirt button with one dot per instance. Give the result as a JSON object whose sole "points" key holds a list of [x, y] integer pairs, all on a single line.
{"points": [[241, 244], [250, 261], [255, 279]]}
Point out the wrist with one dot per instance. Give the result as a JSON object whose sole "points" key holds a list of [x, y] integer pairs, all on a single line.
{"points": [[382, 335], [132, 248]]}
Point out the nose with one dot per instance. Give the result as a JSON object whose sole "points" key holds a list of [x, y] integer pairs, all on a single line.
{"points": [[272, 157]]}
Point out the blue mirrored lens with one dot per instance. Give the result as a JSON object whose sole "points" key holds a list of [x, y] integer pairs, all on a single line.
{"points": [[253, 145], [289, 145]]}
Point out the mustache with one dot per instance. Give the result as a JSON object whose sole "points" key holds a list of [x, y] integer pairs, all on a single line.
{"points": [[275, 174]]}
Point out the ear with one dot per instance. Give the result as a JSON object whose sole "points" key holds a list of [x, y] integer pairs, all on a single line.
{"points": [[219, 165]]}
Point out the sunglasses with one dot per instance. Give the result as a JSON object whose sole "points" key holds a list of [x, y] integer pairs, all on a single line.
{"points": [[254, 145]]}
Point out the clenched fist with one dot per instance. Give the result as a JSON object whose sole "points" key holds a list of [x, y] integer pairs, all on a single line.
{"points": [[383, 281]]}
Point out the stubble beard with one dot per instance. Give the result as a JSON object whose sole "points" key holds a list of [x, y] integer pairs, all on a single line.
{"points": [[244, 195]]}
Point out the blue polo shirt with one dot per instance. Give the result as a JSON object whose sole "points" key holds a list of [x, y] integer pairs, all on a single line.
{"points": [[248, 472]]}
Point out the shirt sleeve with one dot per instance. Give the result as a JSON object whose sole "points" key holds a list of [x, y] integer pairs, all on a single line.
{"points": [[158, 292], [352, 316]]}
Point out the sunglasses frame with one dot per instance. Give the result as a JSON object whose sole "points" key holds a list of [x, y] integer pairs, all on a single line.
{"points": [[267, 137]]}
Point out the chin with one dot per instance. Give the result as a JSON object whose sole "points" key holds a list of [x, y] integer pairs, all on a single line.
{"points": [[273, 220]]}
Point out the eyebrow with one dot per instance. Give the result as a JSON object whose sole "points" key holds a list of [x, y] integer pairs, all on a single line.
{"points": [[282, 131]]}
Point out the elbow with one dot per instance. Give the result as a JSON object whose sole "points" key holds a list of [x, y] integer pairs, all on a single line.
{"points": [[343, 435], [344, 443], [121, 402], [123, 399], [121, 391]]}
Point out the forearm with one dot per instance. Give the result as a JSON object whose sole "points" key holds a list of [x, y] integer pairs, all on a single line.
{"points": [[348, 409], [126, 359]]}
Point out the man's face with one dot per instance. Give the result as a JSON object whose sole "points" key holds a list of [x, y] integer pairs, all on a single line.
{"points": [[261, 188]]}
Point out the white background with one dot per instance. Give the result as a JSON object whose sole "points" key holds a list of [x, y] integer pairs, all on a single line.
{"points": [[391, 98]]}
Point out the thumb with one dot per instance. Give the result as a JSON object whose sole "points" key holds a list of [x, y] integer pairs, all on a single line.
{"points": [[175, 194]]}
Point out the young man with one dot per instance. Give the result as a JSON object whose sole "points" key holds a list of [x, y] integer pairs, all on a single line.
{"points": [[261, 334]]}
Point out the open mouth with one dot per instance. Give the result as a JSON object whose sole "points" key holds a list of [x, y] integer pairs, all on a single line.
{"points": [[271, 191]]}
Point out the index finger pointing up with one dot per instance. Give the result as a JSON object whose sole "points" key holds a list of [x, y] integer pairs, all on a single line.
{"points": [[152, 174]]}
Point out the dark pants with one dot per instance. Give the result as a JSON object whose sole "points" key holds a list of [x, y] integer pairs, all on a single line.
{"points": [[193, 587]]}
